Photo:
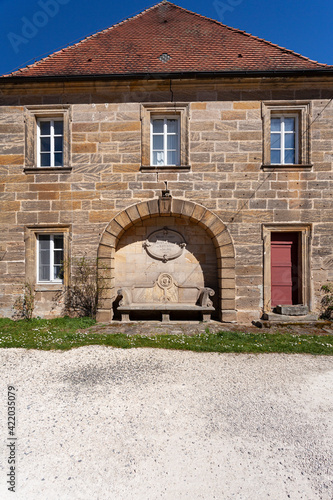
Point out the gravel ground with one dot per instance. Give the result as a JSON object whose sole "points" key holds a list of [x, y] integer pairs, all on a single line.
{"points": [[105, 423]]}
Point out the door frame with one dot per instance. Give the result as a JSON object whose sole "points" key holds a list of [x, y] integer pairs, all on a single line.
{"points": [[304, 231]]}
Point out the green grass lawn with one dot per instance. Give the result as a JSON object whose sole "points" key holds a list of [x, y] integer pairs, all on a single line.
{"points": [[67, 333]]}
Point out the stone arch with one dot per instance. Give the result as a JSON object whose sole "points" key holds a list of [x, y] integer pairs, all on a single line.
{"points": [[197, 214]]}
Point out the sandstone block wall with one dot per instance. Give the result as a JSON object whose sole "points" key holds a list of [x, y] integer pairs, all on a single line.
{"points": [[225, 175]]}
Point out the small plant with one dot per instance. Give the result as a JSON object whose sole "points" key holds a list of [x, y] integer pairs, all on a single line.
{"points": [[83, 294], [25, 305], [327, 302]]}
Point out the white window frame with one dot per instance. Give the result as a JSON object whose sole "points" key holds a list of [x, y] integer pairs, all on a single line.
{"points": [[283, 133], [52, 251], [165, 138], [302, 109], [52, 141]]}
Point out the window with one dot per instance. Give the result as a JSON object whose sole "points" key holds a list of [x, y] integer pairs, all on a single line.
{"points": [[50, 142], [47, 138], [284, 139], [50, 257], [47, 248], [164, 136], [165, 141], [286, 134]]}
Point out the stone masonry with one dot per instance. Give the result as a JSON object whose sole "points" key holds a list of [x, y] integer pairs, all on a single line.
{"points": [[225, 189]]}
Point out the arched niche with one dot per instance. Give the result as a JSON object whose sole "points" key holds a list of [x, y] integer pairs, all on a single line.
{"points": [[180, 213]]}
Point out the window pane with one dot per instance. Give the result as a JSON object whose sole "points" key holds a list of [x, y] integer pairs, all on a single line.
{"points": [[57, 272], [58, 127], [60, 274], [58, 241], [45, 144], [289, 156], [58, 160], [58, 144], [45, 159], [275, 124], [172, 157], [158, 158], [289, 124], [44, 257], [158, 126], [44, 128], [275, 141], [172, 125], [58, 257], [275, 156], [44, 273], [44, 241], [158, 141], [289, 140], [172, 141]]}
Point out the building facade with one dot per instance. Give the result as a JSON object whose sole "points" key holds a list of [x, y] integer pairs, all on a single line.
{"points": [[181, 170]]}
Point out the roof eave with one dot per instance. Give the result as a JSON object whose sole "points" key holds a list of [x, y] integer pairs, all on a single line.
{"points": [[174, 75]]}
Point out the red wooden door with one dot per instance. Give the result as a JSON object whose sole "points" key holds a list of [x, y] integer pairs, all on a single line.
{"points": [[284, 268]]}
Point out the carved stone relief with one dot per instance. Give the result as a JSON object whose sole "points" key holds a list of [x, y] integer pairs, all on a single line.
{"points": [[165, 244]]}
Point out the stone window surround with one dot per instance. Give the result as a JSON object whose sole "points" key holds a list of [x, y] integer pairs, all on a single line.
{"points": [[304, 231], [165, 109], [31, 251], [302, 109], [32, 114]]}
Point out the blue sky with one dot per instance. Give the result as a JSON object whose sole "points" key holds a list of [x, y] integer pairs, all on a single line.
{"points": [[31, 29]]}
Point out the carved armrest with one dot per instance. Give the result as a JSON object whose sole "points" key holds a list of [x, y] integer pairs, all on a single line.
{"points": [[204, 295], [126, 294]]}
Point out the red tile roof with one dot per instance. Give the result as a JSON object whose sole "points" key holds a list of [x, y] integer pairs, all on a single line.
{"points": [[168, 39]]}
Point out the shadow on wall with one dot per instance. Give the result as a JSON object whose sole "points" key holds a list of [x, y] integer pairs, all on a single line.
{"points": [[137, 265]]}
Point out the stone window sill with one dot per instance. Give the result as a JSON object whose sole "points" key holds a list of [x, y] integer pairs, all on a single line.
{"points": [[46, 170], [291, 167], [49, 287], [166, 168]]}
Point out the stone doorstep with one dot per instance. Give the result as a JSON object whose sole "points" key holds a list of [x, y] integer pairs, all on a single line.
{"points": [[295, 310], [284, 318]]}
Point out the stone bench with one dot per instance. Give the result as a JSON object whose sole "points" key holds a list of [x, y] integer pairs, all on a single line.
{"points": [[166, 296]]}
